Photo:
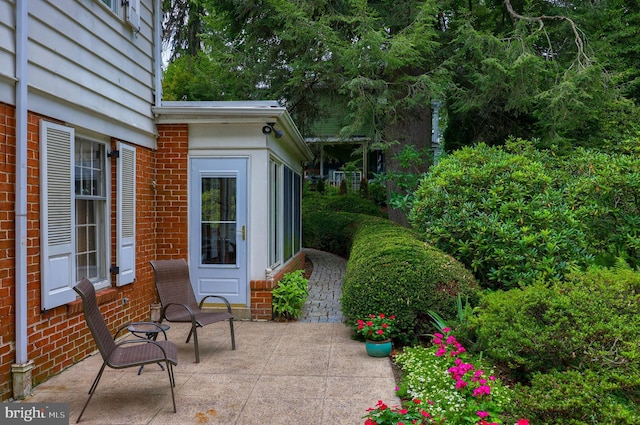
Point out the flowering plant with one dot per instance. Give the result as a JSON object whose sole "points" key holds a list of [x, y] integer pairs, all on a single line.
{"points": [[413, 412], [455, 388], [376, 328]]}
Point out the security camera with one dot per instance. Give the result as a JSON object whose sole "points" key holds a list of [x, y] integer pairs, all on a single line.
{"points": [[278, 133]]}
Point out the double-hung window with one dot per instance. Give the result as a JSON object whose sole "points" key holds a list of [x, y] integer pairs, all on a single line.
{"points": [[75, 213], [90, 211]]}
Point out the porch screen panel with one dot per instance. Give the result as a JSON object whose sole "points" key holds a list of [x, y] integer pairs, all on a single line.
{"points": [[297, 215], [218, 220], [288, 213]]}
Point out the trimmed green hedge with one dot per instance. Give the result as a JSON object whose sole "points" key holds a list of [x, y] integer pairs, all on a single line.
{"points": [[391, 271], [573, 345], [329, 231]]}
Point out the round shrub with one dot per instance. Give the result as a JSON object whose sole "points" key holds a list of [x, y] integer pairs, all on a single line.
{"points": [[502, 214], [590, 322], [574, 398], [391, 271]]}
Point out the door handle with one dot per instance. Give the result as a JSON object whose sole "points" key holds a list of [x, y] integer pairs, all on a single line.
{"points": [[244, 233]]}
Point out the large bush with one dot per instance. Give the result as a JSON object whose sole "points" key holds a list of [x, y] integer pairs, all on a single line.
{"points": [[604, 193], [548, 335], [329, 231], [331, 201], [329, 219], [514, 215], [391, 271]]}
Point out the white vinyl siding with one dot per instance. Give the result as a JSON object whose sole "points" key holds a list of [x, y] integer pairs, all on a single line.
{"points": [[87, 66], [126, 215], [57, 214]]}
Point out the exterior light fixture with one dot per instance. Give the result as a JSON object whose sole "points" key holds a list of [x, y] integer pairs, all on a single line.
{"points": [[269, 128]]}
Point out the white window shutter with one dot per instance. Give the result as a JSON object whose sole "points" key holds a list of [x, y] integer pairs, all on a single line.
{"points": [[133, 14], [57, 214], [126, 199]]}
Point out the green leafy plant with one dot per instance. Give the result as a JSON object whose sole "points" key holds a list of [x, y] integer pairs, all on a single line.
{"points": [[515, 214], [413, 412], [289, 296], [455, 387], [376, 327]]}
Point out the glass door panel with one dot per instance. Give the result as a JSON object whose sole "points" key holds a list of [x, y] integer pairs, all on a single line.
{"points": [[218, 221]]}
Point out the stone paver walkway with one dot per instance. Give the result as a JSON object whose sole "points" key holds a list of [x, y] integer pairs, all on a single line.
{"points": [[325, 288]]}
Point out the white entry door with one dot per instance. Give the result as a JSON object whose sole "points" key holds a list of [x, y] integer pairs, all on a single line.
{"points": [[218, 220]]}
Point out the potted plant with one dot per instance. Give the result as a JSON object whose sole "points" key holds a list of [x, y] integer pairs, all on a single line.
{"points": [[376, 330]]}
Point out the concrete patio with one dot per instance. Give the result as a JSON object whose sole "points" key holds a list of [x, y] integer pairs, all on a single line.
{"points": [[280, 373]]}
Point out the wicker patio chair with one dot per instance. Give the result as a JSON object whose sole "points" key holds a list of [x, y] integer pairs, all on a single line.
{"points": [[179, 302], [123, 354]]}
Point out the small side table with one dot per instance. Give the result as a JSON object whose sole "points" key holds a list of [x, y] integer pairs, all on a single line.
{"points": [[147, 331]]}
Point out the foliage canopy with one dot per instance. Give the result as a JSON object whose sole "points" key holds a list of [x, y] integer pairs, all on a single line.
{"points": [[563, 72]]}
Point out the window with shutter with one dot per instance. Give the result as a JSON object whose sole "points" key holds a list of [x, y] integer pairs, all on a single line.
{"points": [[57, 214], [133, 13], [126, 232], [74, 213], [91, 212]]}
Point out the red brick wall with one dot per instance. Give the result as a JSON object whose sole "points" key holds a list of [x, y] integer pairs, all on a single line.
{"points": [[171, 192], [261, 298], [7, 250], [59, 337]]}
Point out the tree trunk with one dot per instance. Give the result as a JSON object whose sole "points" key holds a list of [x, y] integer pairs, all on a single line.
{"points": [[414, 129]]}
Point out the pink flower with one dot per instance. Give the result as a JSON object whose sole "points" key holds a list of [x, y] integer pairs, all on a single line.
{"points": [[484, 389], [482, 414], [446, 330]]}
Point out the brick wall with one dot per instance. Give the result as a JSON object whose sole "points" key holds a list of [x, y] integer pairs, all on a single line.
{"points": [[261, 298], [171, 192], [7, 250], [59, 337]]}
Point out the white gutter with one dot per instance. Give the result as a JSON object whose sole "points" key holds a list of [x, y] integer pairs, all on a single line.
{"points": [[21, 182], [258, 111]]}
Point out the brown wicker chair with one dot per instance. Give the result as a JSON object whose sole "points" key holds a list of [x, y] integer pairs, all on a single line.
{"points": [[127, 353], [179, 302]]}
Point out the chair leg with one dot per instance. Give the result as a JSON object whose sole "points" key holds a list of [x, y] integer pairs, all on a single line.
{"points": [[233, 337], [194, 332], [172, 383], [195, 343], [92, 390]]}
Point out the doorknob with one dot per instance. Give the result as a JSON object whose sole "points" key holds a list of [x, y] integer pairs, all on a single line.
{"points": [[244, 233]]}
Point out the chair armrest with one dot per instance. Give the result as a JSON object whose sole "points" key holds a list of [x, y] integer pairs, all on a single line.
{"points": [[226, 302], [143, 341], [186, 307]]}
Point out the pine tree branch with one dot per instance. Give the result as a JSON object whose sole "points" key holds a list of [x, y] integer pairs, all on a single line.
{"points": [[582, 59]]}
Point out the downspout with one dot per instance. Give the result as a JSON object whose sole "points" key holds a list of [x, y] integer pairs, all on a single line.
{"points": [[21, 370], [157, 49]]}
